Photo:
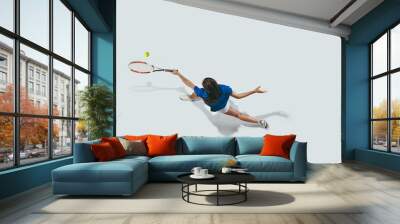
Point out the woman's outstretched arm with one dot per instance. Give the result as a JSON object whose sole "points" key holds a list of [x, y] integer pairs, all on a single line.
{"points": [[246, 94], [185, 80]]}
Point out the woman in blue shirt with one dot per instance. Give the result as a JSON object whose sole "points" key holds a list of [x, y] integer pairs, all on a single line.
{"points": [[216, 96]]}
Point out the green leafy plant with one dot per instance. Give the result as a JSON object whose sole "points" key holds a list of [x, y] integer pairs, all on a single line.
{"points": [[96, 103]]}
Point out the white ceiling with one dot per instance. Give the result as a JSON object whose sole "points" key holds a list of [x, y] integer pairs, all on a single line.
{"points": [[319, 9], [314, 15]]}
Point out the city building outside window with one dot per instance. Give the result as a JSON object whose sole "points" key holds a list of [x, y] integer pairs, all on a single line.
{"points": [[56, 128]]}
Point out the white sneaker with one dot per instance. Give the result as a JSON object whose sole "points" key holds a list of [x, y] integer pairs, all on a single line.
{"points": [[187, 98], [263, 124]]}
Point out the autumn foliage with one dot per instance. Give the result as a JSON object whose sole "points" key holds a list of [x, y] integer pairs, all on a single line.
{"points": [[380, 127], [33, 131]]}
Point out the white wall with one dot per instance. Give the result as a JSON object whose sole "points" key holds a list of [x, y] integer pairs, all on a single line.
{"points": [[300, 69]]}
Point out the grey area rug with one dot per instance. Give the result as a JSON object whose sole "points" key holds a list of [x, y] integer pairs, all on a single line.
{"points": [[166, 198]]}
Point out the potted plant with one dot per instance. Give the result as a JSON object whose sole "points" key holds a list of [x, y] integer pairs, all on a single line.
{"points": [[96, 102]]}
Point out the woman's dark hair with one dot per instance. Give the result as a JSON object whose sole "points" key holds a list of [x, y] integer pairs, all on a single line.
{"points": [[212, 88]]}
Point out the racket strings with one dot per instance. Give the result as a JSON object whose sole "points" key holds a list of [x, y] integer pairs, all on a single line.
{"points": [[141, 67]]}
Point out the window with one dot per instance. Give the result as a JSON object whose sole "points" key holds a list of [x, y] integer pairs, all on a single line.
{"points": [[30, 87], [3, 78], [47, 74], [81, 45], [38, 74], [385, 92], [37, 89], [7, 14], [3, 61], [6, 74], [81, 82], [30, 72], [34, 21], [62, 31], [62, 137], [6, 142], [61, 74], [44, 91]]}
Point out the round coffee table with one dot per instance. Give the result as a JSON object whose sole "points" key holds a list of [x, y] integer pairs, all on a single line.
{"points": [[238, 179]]}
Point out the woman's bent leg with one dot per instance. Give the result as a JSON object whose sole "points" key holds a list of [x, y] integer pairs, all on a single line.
{"points": [[244, 117]]}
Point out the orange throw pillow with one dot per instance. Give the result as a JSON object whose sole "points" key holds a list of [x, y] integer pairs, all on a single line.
{"points": [[136, 137], [103, 152], [277, 145], [116, 145], [161, 145]]}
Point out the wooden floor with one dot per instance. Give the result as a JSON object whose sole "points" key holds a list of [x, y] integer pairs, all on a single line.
{"points": [[377, 188]]}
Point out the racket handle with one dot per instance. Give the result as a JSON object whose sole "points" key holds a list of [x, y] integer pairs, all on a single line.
{"points": [[168, 70]]}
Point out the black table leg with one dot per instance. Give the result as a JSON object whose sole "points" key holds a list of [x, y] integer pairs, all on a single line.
{"points": [[245, 193], [195, 188], [217, 194], [188, 190]]}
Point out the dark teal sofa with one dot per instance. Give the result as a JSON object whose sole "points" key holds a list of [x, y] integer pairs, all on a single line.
{"points": [[125, 176]]}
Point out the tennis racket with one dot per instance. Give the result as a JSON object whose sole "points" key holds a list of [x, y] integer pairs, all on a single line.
{"points": [[142, 67]]}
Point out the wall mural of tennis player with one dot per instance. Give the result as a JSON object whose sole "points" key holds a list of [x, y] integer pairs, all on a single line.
{"points": [[216, 96]]}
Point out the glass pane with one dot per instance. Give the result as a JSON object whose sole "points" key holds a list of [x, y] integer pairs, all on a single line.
{"points": [[34, 16], [6, 74], [81, 45], [33, 139], [34, 97], [395, 136], [81, 131], [6, 142], [81, 81], [395, 47], [62, 29], [379, 55], [379, 97], [395, 94], [379, 135], [62, 138], [7, 14], [62, 89]]}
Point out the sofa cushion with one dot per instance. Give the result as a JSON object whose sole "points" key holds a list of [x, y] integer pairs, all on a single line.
{"points": [[185, 163], [111, 171], [116, 145], [275, 145], [134, 147], [103, 152], [198, 145], [257, 163], [249, 145], [159, 145]]}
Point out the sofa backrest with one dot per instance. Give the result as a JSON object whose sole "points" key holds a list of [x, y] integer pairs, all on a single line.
{"points": [[249, 145], [192, 145], [83, 152]]}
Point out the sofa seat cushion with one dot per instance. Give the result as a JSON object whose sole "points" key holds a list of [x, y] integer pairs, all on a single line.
{"points": [[185, 163], [257, 163], [112, 171], [133, 158]]}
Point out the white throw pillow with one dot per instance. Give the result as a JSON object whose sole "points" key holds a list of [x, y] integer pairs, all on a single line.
{"points": [[137, 147]]}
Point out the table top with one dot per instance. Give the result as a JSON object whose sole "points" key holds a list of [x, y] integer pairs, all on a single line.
{"points": [[220, 178]]}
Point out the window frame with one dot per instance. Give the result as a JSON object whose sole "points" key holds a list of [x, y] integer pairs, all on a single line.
{"points": [[388, 74], [16, 114]]}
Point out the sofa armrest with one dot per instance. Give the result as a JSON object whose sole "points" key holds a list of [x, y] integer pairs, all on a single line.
{"points": [[83, 152], [298, 155]]}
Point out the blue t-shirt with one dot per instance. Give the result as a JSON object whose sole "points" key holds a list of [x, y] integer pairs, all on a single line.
{"points": [[226, 91]]}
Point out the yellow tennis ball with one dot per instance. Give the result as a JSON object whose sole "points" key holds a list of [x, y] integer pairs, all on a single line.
{"points": [[146, 54]]}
